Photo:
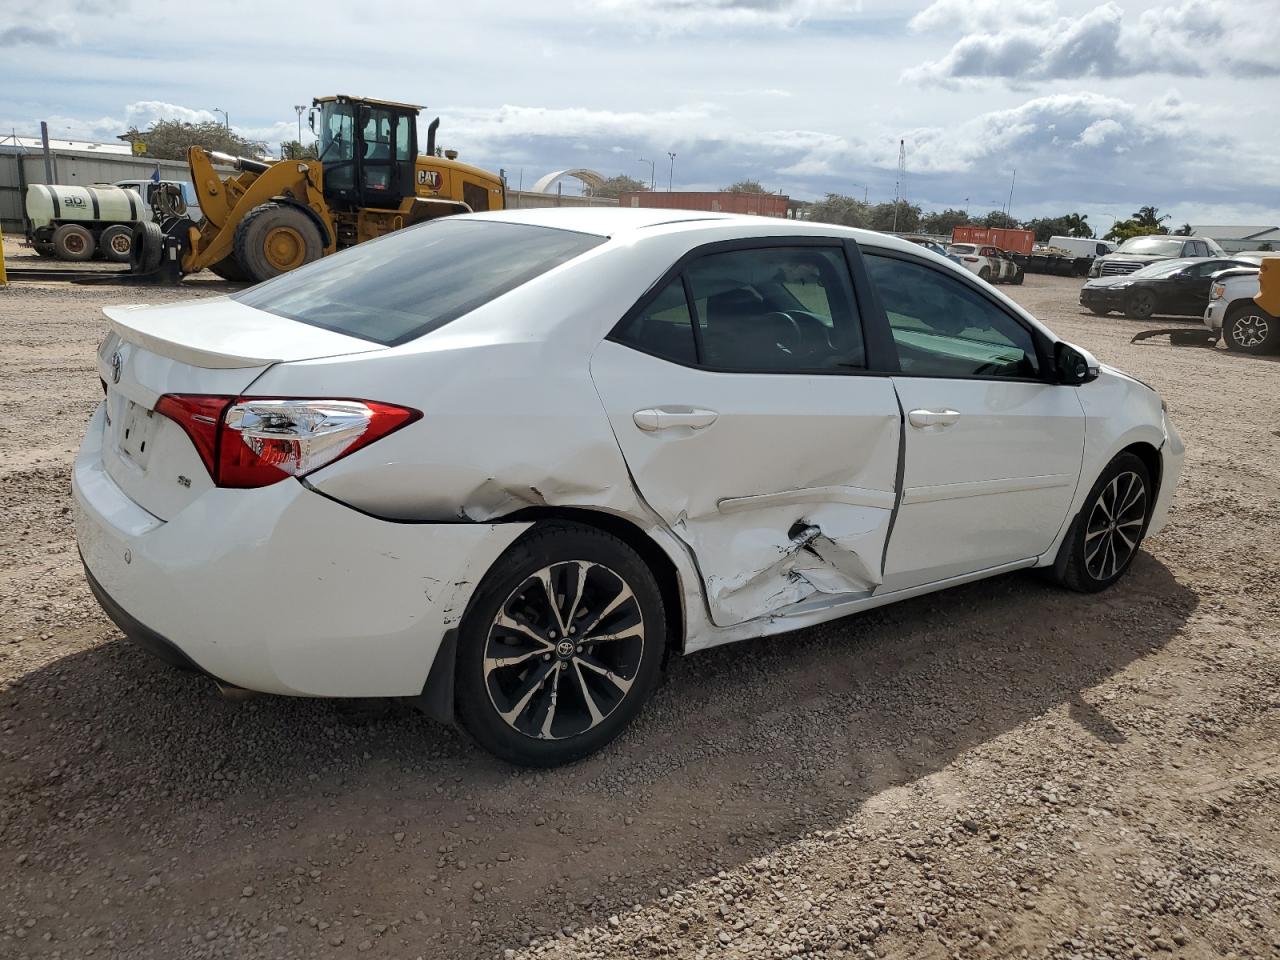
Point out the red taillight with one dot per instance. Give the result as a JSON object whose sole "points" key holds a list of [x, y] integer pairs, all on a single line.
{"points": [[258, 441], [201, 417], [970, 259]]}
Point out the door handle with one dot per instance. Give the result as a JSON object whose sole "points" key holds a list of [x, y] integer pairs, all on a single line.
{"points": [[933, 418], [665, 418]]}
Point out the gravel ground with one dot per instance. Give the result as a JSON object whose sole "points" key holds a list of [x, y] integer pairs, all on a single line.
{"points": [[1004, 769]]}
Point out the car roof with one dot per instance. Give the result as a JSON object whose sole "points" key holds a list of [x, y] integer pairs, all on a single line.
{"points": [[615, 222]]}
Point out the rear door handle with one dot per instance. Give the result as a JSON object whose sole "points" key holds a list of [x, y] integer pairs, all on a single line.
{"points": [[933, 418], [666, 418]]}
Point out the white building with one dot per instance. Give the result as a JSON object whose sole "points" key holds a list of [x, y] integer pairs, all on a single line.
{"points": [[1235, 238]]}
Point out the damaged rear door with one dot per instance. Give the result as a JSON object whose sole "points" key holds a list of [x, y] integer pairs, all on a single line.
{"points": [[739, 394]]}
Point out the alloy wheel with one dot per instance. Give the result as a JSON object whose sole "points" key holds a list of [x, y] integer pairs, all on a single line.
{"points": [[1115, 525], [1250, 330], [563, 650]]}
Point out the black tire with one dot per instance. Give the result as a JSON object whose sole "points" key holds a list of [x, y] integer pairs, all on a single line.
{"points": [[985, 274], [1018, 277], [1140, 305], [229, 269], [274, 238], [73, 242], [1247, 328], [545, 727], [116, 243], [1084, 562], [147, 249]]}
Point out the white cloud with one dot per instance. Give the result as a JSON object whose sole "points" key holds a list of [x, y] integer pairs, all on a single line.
{"points": [[681, 15], [1188, 39], [976, 14]]}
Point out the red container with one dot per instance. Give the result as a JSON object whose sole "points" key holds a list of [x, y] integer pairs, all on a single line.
{"points": [[1015, 241], [756, 204]]}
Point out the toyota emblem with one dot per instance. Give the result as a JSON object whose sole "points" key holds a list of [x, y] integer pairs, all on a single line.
{"points": [[117, 362]]}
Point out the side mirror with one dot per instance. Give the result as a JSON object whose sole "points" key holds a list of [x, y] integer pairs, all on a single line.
{"points": [[311, 120], [1074, 365]]}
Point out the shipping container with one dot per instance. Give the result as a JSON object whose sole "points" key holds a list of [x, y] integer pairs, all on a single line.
{"points": [[1015, 241], [756, 204]]}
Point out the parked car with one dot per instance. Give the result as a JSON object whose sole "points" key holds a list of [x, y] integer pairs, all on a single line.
{"points": [[1233, 314], [1177, 287], [983, 260], [1012, 269], [1138, 252], [934, 246], [502, 464]]}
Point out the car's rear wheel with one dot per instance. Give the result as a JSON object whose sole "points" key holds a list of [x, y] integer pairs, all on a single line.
{"points": [[1140, 305], [1110, 526], [1248, 328], [560, 647], [985, 274]]}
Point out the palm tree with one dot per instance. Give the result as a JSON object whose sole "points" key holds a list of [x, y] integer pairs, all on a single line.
{"points": [[1078, 225], [1148, 218]]}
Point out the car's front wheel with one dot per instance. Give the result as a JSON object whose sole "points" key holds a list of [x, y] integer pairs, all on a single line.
{"points": [[560, 647], [1140, 305], [1250, 329], [1110, 526]]}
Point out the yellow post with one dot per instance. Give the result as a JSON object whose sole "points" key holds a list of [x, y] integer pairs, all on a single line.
{"points": [[1268, 296], [3, 279]]}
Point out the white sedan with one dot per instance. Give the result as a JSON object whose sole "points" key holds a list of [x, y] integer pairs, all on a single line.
{"points": [[503, 463]]}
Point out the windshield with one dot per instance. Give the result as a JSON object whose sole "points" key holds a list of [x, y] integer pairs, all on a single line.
{"points": [[1156, 246], [1164, 268], [962, 248], [337, 131], [412, 281]]}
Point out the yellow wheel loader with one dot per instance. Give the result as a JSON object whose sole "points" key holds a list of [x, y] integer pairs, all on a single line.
{"points": [[275, 216]]}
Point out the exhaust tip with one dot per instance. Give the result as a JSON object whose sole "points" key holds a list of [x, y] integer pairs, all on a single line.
{"points": [[230, 691]]}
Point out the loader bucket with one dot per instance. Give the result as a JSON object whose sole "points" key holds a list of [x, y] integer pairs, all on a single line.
{"points": [[1268, 296]]}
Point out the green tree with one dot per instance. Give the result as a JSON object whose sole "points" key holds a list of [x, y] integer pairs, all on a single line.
{"points": [[745, 186], [615, 186], [170, 139], [998, 218], [838, 208], [293, 150], [941, 224], [1183, 231], [1150, 220], [1069, 225], [1266, 245], [1123, 230], [906, 221]]}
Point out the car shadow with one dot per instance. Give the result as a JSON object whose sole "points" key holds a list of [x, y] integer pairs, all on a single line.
{"points": [[745, 749]]}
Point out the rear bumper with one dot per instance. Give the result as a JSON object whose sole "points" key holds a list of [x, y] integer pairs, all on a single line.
{"points": [[279, 589]]}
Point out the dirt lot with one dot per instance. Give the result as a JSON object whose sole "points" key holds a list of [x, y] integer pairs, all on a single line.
{"points": [[1005, 769]]}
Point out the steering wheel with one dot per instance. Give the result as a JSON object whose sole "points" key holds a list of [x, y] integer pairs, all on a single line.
{"points": [[790, 339]]}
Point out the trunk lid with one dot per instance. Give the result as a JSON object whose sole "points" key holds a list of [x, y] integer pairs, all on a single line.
{"points": [[213, 346]]}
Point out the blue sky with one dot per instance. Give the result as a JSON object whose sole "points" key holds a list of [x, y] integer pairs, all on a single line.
{"points": [[1100, 107]]}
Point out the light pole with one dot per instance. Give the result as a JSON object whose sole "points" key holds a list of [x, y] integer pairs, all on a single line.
{"points": [[672, 171], [650, 163], [226, 119], [298, 108]]}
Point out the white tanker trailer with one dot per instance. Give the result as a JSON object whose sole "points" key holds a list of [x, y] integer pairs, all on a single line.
{"points": [[72, 223]]}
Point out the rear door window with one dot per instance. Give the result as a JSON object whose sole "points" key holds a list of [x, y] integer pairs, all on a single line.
{"points": [[410, 282]]}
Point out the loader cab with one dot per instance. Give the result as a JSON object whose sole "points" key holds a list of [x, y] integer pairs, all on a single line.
{"points": [[368, 150]]}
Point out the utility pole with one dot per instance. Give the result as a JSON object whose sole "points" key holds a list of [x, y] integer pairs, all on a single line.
{"points": [[1008, 210], [902, 176], [672, 171], [651, 176]]}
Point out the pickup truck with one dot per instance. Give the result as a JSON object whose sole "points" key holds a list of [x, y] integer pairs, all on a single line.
{"points": [[1233, 313]]}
